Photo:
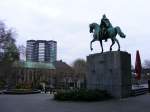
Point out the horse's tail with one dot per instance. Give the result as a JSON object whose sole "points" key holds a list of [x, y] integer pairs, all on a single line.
{"points": [[120, 33]]}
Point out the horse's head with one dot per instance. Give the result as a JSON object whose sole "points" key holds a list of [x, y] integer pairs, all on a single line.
{"points": [[91, 26]]}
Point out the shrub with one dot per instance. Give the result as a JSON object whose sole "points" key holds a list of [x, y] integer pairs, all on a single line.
{"points": [[82, 95]]}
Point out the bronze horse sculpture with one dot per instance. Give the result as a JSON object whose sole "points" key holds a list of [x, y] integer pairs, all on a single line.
{"points": [[107, 31]]}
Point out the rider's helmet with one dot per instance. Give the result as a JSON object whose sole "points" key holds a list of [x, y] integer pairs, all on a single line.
{"points": [[104, 17]]}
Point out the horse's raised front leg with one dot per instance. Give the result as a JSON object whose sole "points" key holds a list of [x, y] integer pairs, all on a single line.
{"points": [[113, 42], [91, 44], [101, 45]]}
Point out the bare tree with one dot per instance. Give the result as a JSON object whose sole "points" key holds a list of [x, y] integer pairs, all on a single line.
{"points": [[79, 66], [146, 63], [8, 51], [22, 52]]}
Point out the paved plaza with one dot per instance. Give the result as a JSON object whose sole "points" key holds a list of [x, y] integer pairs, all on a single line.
{"points": [[45, 103]]}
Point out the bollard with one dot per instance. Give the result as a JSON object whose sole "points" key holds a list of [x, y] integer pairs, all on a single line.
{"points": [[149, 86]]}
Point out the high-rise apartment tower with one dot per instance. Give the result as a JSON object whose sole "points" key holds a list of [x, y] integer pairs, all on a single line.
{"points": [[41, 51]]}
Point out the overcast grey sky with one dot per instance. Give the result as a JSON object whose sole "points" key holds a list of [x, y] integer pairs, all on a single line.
{"points": [[66, 21]]}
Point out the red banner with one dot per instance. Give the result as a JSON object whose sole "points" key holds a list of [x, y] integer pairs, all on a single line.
{"points": [[138, 67]]}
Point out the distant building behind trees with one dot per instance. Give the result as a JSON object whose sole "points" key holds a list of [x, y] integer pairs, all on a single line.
{"points": [[57, 75], [33, 74]]}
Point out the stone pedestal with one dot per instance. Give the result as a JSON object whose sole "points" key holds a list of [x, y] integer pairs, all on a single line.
{"points": [[110, 71]]}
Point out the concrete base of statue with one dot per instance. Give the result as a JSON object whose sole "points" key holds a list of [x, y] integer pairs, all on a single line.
{"points": [[110, 71]]}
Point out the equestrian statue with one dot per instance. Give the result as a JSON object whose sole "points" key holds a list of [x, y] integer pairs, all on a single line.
{"points": [[105, 31]]}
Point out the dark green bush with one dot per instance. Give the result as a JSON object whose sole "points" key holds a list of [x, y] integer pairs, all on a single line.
{"points": [[82, 95]]}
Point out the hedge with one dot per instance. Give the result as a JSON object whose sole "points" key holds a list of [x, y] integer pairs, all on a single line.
{"points": [[82, 95]]}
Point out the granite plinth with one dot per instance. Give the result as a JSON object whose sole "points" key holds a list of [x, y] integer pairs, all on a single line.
{"points": [[110, 71]]}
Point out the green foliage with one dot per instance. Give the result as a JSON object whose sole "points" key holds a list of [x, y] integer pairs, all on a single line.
{"points": [[7, 44], [12, 54], [82, 95]]}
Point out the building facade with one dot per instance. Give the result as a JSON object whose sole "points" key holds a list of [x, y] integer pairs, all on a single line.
{"points": [[32, 74], [56, 75], [66, 77], [41, 51]]}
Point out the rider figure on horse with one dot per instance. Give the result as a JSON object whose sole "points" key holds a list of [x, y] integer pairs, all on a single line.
{"points": [[104, 31], [104, 25]]}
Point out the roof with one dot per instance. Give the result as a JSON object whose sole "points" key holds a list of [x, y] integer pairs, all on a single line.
{"points": [[39, 65], [62, 65], [41, 41]]}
